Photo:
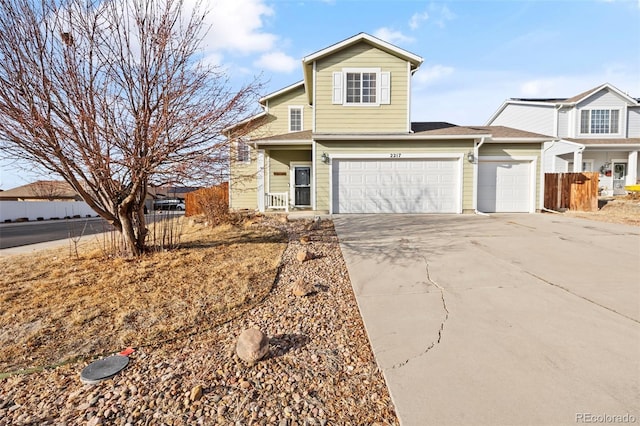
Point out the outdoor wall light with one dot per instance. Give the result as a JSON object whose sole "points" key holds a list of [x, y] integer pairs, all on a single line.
{"points": [[325, 158], [470, 157]]}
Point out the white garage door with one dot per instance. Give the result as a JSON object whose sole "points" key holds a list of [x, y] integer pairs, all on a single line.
{"points": [[396, 185], [504, 186]]}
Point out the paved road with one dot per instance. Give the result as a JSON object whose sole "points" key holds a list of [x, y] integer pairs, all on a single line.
{"points": [[500, 320], [20, 234]]}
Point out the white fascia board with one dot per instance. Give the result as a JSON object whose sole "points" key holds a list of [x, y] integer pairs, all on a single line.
{"points": [[245, 121], [284, 142], [612, 146], [627, 98], [366, 37], [520, 140], [263, 99], [413, 136]]}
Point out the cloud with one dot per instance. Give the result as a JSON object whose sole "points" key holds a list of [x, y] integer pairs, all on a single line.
{"points": [[442, 14], [430, 74], [277, 61], [392, 36], [237, 26], [417, 19]]}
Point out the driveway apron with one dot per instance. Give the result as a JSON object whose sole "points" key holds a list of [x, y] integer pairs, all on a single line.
{"points": [[500, 320]]}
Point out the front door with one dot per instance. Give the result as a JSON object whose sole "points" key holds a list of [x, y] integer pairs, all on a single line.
{"points": [[302, 186], [619, 176]]}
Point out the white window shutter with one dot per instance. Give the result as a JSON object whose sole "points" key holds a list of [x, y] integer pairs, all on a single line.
{"points": [[385, 87], [337, 87]]}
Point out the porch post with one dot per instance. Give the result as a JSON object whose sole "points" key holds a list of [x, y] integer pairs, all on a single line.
{"points": [[632, 168], [260, 179], [577, 161]]}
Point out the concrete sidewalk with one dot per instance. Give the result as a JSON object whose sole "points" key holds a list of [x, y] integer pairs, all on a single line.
{"points": [[500, 320]]}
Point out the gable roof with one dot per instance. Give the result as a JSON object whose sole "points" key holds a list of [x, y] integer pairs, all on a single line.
{"points": [[263, 100], [307, 61], [554, 102]]}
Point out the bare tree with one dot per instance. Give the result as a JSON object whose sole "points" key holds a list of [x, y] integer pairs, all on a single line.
{"points": [[113, 95]]}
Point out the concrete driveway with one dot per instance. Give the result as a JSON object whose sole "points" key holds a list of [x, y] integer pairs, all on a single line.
{"points": [[501, 319]]}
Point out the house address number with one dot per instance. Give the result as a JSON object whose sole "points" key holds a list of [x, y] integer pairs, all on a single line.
{"points": [[395, 155]]}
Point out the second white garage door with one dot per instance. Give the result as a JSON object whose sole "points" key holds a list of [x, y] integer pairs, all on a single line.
{"points": [[396, 185], [505, 186]]}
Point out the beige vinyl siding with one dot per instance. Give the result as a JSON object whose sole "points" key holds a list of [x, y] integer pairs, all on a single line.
{"points": [[390, 118], [279, 111], [389, 147], [516, 150], [279, 162], [243, 185]]}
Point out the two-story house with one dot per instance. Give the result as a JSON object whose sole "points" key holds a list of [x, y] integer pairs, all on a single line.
{"points": [[598, 130], [342, 141]]}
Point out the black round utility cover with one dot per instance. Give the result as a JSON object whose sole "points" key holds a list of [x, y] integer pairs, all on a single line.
{"points": [[103, 369]]}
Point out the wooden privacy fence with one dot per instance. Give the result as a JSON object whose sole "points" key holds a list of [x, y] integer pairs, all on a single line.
{"points": [[573, 191], [208, 200]]}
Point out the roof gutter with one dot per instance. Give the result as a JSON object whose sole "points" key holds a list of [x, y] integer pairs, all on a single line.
{"points": [[403, 136]]}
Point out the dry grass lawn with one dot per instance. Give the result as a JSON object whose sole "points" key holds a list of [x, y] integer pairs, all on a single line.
{"points": [[55, 307], [624, 210]]}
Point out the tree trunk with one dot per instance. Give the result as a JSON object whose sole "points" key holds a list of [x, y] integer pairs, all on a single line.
{"points": [[131, 241]]}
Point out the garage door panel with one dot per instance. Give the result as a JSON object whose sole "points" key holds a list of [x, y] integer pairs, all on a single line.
{"points": [[504, 186], [396, 186]]}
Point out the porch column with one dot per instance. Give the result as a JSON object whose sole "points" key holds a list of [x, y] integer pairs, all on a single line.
{"points": [[632, 168], [577, 161]]}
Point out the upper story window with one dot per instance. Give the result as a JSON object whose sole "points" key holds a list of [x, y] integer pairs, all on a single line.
{"points": [[599, 121], [243, 153], [361, 87], [295, 118]]}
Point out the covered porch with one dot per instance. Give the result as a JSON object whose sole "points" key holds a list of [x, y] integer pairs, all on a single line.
{"points": [[285, 175]]}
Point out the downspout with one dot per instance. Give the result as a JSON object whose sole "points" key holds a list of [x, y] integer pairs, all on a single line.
{"points": [[476, 156], [542, 184]]}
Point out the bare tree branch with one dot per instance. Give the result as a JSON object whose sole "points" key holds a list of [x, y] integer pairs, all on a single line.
{"points": [[113, 96]]}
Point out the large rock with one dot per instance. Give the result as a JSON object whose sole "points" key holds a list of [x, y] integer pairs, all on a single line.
{"points": [[252, 345], [304, 255], [300, 288]]}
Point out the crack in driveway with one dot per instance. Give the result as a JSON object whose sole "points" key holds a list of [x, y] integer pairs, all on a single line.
{"points": [[440, 330]]}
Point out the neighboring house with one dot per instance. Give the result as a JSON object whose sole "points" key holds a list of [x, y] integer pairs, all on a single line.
{"points": [[342, 141], [598, 130], [42, 190]]}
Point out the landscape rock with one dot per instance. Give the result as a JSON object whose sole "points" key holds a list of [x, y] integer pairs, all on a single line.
{"points": [[252, 345], [300, 288], [196, 393], [304, 255], [305, 239]]}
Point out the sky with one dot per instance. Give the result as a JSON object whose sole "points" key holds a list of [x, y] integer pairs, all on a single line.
{"points": [[476, 53]]}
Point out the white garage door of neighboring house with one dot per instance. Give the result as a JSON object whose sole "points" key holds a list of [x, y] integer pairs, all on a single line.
{"points": [[415, 185], [505, 186]]}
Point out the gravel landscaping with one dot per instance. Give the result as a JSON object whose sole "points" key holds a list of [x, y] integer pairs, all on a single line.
{"points": [[319, 370]]}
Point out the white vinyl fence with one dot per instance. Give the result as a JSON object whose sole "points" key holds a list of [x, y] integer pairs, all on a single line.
{"points": [[43, 210]]}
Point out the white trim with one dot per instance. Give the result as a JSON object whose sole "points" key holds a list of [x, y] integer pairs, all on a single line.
{"points": [[409, 75], [358, 70], [245, 121], [399, 136], [298, 107], [313, 174], [532, 172], [459, 157], [313, 106], [281, 91], [283, 142], [292, 187], [359, 37], [619, 134], [390, 155]]}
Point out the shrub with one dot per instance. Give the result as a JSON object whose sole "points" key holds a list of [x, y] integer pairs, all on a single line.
{"points": [[40, 218], [213, 203]]}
